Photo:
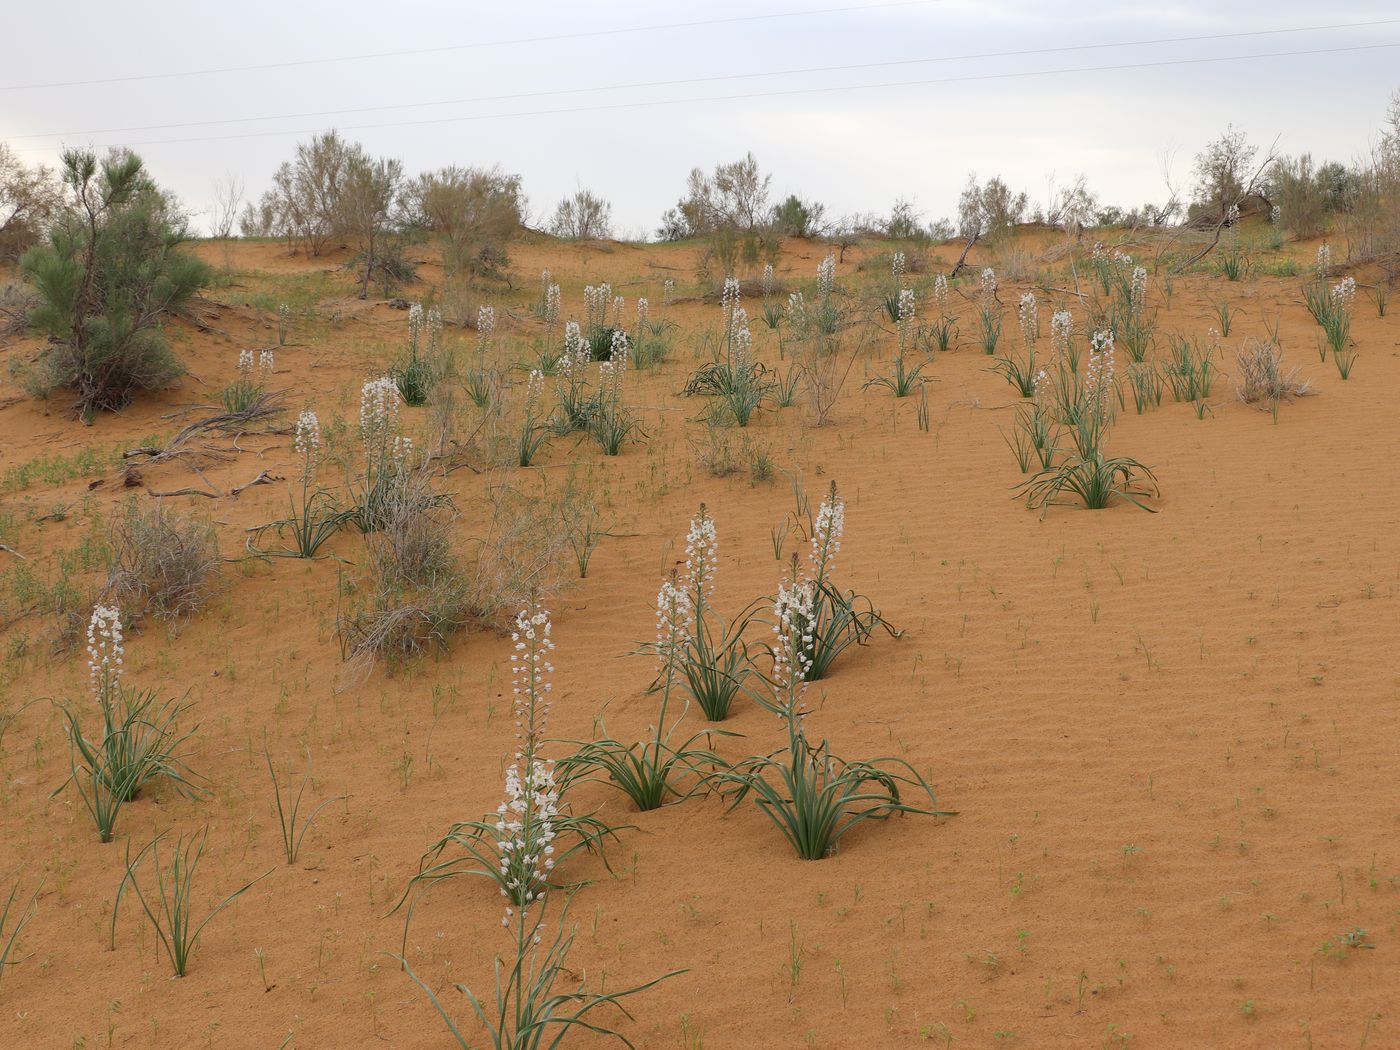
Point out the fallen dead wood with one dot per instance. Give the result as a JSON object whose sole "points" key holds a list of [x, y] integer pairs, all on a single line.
{"points": [[264, 478], [184, 492], [263, 407]]}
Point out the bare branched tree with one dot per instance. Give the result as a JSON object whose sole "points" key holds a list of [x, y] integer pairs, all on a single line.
{"points": [[583, 217]]}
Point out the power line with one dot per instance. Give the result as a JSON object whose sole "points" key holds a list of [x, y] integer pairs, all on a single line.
{"points": [[970, 78], [713, 79], [551, 38]]}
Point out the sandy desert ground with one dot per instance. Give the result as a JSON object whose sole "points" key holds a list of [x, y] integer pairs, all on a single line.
{"points": [[1169, 738]]}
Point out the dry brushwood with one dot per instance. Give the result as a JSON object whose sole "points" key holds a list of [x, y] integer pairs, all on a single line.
{"points": [[1262, 379], [264, 406], [162, 562]]}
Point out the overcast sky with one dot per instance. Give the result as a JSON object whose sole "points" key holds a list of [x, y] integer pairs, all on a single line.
{"points": [[856, 150]]}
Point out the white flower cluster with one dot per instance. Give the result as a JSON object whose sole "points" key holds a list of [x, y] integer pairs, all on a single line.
{"points": [[551, 305], [906, 304], [379, 414], [1323, 266], [1061, 333], [1029, 319], [485, 323], [1344, 291], [793, 614], [668, 291], [674, 617], [105, 652], [526, 821], [797, 310], [530, 669], [534, 387], [897, 265], [643, 311], [906, 309], [577, 353], [1117, 256], [940, 294], [1138, 296], [308, 442], [434, 326], [415, 324], [989, 285], [1100, 368], [767, 279], [729, 298], [827, 531], [525, 828], [595, 304], [619, 304], [826, 276], [612, 372], [701, 556], [741, 352]]}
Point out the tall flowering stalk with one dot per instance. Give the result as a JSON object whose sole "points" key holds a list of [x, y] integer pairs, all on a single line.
{"points": [[526, 819], [485, 329], [813, 797], [315, 516], [905, 323], [989, 312], [533, 831], [551, 308], [1028, 320], [576, 408], [385, 451], [794, 612], [942, 329], [612, 424], [713, 664], [639, 342], [254, 372], [532, 432], [655, 771], [839, 618], [902, 381], [139, 737]]}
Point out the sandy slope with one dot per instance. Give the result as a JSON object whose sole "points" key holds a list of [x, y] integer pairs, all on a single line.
{"points": [[1170, 738]]}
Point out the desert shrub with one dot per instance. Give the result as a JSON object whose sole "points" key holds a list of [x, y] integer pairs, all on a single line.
{"points": [[303, 206], [1371, 219], [412, 598], [1224, 176], [735, 197], [796, 217], [162, 562], [364, 212], [411, 546], [30, 199], [1302, 193], [476, 210], [1071, 208], [108, 274], [516, 555], [583, 217], [990, 210], [1262, 377]]}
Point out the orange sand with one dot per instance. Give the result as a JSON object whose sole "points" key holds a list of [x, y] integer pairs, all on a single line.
{"points": [[1211, 685]]}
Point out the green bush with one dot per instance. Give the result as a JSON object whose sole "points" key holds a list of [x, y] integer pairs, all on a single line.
{"points": [[108, 274]]}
